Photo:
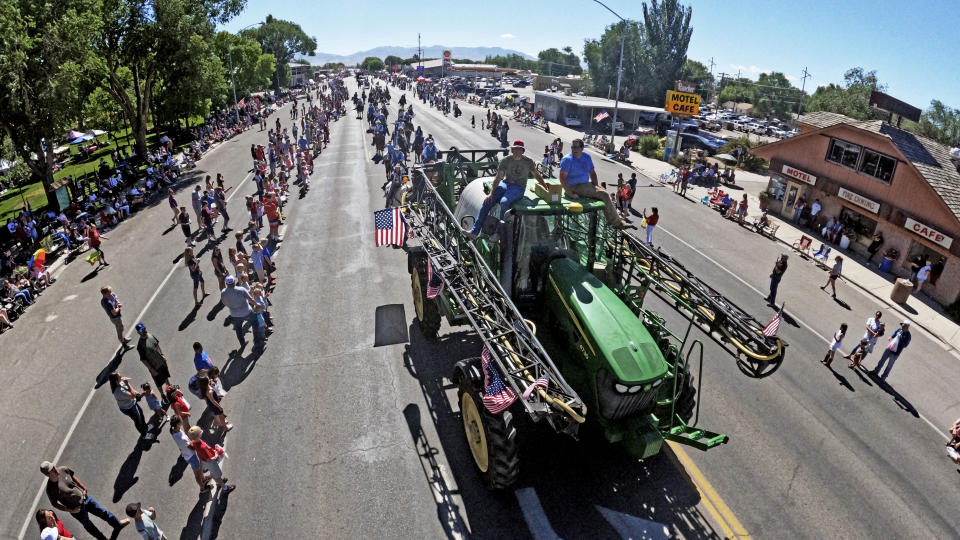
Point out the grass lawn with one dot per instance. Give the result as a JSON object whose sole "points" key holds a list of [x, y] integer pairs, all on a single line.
{"points": [[12, 203]]}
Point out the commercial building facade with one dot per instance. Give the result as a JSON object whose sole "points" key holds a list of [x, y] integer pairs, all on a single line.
{"points": [[874, 176]]}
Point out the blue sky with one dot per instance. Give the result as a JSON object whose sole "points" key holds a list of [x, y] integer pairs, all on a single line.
{"points": [[913, 49]]}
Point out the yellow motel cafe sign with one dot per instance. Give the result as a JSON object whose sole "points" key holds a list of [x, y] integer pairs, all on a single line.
{"points": [[682, 103]]}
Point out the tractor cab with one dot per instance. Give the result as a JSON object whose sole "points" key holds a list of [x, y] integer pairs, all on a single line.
{"points": [[520, 245]]}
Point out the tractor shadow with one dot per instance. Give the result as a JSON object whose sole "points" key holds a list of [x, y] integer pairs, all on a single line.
{"points": [[617, 496]]}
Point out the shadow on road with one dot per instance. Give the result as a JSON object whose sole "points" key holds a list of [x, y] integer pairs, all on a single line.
{"points": [[217, 308], [110, 367], [192, 316], [614, 496], [127, 476]]}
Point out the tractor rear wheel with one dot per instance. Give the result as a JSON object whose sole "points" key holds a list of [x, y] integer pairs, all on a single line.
{"points": [[492, 438], [427, 310]]}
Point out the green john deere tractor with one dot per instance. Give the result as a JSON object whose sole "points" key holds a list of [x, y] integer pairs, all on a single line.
{"points": [[556, 295]]}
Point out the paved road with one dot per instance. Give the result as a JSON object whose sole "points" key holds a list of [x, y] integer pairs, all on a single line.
{"points": [[345, 426]]}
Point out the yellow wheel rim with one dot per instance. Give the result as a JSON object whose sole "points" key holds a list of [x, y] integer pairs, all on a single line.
{"points": [[473, 429], [417, 294]]}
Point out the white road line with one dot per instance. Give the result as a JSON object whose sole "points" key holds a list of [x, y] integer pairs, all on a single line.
{"points": [[86, 402], [805, 325], [534, 515]]}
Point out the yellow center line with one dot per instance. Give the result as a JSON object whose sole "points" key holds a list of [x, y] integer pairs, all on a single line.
{"points": [[731, 526]]}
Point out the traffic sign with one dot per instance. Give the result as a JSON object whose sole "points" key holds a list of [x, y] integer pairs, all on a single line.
{"points": [[682, 103], [420, 69]]}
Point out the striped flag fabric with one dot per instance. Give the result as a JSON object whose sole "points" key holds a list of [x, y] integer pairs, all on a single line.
{"points": [[434, 281], [601, 116], [542, 382], [770, 330], [497, 396], [391, 229]]}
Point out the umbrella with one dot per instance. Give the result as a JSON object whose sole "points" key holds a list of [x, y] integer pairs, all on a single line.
{"points": [[82, 138], [725, 157], [96, 132], [61, 149], [74, 134], [422, 79], [39, 257]]}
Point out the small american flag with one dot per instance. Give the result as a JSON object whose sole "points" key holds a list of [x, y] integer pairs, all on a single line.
{"points": [[241, 103], [391, 229], [542, 382], [497, 396], [600, 117], [771, 328], [434, 281]]}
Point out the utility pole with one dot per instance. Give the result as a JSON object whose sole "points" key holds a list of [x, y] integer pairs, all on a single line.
{"points": [[803, 87], [712, 82], [419, 53], [616, 106]]}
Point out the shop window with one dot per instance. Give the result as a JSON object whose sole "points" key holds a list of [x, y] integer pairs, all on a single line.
{"points": [[843, 153], [878, 165], [861, 225]]}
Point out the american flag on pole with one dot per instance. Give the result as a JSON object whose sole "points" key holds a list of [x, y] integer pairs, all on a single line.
{"points": [[241, 103], [391, 229], [497, 396], [434, 281], [542, 382], [771, 328], [600, 117]]}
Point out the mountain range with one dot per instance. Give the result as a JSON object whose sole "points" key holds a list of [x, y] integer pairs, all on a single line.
{"points": [[430, 51]]}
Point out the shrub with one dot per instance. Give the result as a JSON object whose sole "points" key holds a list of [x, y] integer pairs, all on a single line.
{"points": [[648, 145], [750, 162]]}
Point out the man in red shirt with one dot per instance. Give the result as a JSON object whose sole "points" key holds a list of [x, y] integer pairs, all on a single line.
{"points": [[93, 238]]}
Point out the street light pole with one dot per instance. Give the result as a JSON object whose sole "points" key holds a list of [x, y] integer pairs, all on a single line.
{"points": [[236, 109], [616, 107]]}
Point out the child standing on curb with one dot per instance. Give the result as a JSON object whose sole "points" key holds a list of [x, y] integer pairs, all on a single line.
{"points": [[835, 345]]}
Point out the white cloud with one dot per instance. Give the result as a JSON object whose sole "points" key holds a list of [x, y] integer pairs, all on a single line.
{"points": [[506, 36]]}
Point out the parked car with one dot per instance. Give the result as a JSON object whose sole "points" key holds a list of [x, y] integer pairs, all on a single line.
{"points": [[521, 84], [708, 144], [572, 121]]}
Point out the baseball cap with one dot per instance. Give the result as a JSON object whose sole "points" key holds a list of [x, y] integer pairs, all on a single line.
{"points": [[905, 322], [46, 467], [132, 509], [50, 533], [230, 280], [518, 144], [140, 327]]}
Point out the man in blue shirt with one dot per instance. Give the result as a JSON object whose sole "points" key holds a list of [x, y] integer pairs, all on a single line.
{"points": [[579, 179], [429, 152]]}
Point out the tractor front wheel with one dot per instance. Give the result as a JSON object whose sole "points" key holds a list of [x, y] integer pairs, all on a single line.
{"points": [[427, 310], [492, 438]]}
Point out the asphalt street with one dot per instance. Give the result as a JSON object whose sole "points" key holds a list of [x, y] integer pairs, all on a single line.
{"points": [[346, 426]]}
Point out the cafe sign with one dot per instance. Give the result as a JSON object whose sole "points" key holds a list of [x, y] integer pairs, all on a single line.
{"points": [[859, 200], [797, 174], [929, 233]]}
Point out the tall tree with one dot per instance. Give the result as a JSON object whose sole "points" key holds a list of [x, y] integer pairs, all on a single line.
{"points": [[666, 36], [654, 53], [941, 123], [775, 96], [852, 98], [284, 40], [143, 38], [392, 61], [44, 45]]}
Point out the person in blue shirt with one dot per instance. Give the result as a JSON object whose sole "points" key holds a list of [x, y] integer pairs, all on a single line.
{"points": [[429, 152], [898, 342], [579, 179]]}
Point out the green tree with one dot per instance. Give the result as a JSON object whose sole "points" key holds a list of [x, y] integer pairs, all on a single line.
{"points": [[44, 45], [654, 53], [552, 61], [192, 85], [513, 61], [697, 73], [252, 68], [334, 66], [775, 96], [371, 63], [143, 41], [666, 35], [392, 61], [284, 40], [852, 98], [940, 123]]}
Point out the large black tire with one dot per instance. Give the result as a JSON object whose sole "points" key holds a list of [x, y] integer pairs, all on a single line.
{"points": [[427, 310], [687, 400], [492, 438]]}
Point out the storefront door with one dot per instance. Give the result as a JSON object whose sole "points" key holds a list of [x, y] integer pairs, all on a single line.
{"points": [[790, 199]]}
